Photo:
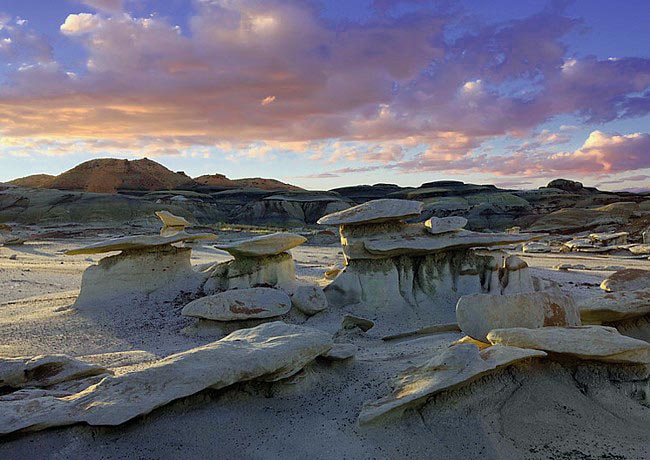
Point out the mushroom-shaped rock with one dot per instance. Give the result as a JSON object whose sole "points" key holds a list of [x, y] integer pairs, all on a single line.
{"points": [[599, 343], [306, 297], [630, 279], [478, 314], [615, 306], [437, 225], [375, 211], [171, 220], [239, 304], [268, 352], [456, 366], [45, 370], [262, 246], [127, 243]]}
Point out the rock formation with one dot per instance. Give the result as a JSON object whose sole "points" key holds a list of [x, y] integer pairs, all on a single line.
{"points": [[172, 224], [240, 304], [410, 277], [269, 352], [632, 279], [148, 268], [44, 371]]}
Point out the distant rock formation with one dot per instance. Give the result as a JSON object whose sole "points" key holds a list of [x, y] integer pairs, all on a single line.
{"points": [[219, 180]]}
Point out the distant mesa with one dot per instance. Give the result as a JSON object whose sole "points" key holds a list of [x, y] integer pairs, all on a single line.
{"points": [[566, 185], [110, 175]]}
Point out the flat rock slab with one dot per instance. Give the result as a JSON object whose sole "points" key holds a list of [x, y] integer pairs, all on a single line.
{"points": [[437, 225], [269, 352], [478, 314], [139, 242], [171, 220], [640, 249], [615, 306], [536, 248], [454, 367], [267, 245], [44, 370], [599, 343], [396, 245], [239, 304], [631, 279], [375, 211]]}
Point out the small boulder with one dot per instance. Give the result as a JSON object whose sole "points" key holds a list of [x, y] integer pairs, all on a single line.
{"points": [[306, 297], [350, 322], [340, 352], [630, 279], [239, 304], [437, 225]]}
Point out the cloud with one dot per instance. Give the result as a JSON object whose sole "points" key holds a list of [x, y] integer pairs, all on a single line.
{"points": [[393, 90]]}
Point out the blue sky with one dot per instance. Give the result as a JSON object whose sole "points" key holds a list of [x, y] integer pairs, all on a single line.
{"points": [[326, 94]]}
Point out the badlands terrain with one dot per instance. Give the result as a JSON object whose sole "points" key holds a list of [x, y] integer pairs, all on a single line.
{"points": [[154, 315]]}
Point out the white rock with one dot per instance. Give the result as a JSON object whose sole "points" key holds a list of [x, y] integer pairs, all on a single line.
{"points": [[44, 370], [615, 306], [454, 367], [246, 272], [437, 225], [478, 314], [306, 297], [238, 304], [128, 243], [630, 279], [598, 343], [267, 245], [374, 211], [270, 352], [159, 272]]}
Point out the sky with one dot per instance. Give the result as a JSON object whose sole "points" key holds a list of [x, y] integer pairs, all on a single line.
{"points": [[329, 93]]}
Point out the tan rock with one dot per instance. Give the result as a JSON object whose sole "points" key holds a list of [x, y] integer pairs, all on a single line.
{"points": [[238, 304], [615, 306], [536, 247], [307, 297], [640, 249], [267, 245], [630, 279], [139, 242], [374, 211], [44, 371], [268, 352], [437, 225], [171, 220], [598, 343], [455, 367], [478, 314]]}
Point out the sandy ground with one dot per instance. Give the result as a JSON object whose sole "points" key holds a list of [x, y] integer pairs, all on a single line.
{"points": [[535, 412]]}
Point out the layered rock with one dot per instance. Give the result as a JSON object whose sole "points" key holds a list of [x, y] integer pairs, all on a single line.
{"points": [[456, 366], [610, 307], [262, 246], [599, 343], [478, 314], [148, 268], [269, 352], [410, 277]]}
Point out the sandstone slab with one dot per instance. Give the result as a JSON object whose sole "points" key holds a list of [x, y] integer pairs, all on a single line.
{"points": [[437, 225], [268, 352], [478, 314], [615, 306], [630, 279], [535, 247], [640, 249], [128, 243], [267, 245], [44, 370], [238, 304], [375, 211], [598, 343], [456, 366], [170, 220]]}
